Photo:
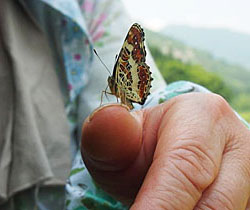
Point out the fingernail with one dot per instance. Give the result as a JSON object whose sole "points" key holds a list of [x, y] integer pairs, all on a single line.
{"points": [[104, 106]]}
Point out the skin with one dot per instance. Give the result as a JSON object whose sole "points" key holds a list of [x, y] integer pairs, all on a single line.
{"points": [[191, 152]]}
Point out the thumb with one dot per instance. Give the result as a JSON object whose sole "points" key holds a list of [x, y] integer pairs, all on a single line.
{"points": [[111, 142], [111, 138]]}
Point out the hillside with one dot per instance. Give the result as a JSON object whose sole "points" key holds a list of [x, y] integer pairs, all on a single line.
{"points": [[233, 75], [234, 47]]}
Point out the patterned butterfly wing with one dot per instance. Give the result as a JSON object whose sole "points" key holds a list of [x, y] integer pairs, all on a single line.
{"points": [[131, 79]]}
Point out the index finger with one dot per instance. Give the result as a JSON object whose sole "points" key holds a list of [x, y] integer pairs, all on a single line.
{"points": [[187, 158]]}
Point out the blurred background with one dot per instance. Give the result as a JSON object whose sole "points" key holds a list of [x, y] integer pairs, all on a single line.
{"points": [[206, 42]]}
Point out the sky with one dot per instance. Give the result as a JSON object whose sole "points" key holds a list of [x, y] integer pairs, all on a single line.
{"points": [[155, 14]]}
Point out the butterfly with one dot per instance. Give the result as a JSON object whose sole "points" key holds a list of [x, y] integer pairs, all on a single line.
{"points": [[131, 78]]}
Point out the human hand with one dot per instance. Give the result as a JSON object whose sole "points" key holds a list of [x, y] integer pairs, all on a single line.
{"points": [[191, 152]]}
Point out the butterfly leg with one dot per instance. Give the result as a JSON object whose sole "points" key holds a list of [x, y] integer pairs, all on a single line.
{"points": [[106, 92], [102, 97]]}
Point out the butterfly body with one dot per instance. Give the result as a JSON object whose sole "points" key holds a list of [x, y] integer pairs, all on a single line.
{"points": [[131, 78]]}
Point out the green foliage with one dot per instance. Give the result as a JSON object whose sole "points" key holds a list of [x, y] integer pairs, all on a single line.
{"points": [[245, 115], [235, 76], [242, 102], [177, 61], [173, 69]]}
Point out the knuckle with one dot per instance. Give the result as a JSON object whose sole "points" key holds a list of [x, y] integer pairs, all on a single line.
{"points": [[195, 165], [212, 102], [217, 105]]}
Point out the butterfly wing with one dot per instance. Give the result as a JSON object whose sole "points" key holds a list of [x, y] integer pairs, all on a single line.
{"points": [[131, 74]]}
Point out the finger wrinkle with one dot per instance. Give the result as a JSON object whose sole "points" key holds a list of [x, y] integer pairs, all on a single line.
{"points": [[205, 206], [218, 200], [200, 153], [170, 182], [159, 193], [199, 173], [196, 190]]}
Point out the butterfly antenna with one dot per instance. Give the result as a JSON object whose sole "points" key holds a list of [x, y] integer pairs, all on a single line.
{"points": [[101, 61]]}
